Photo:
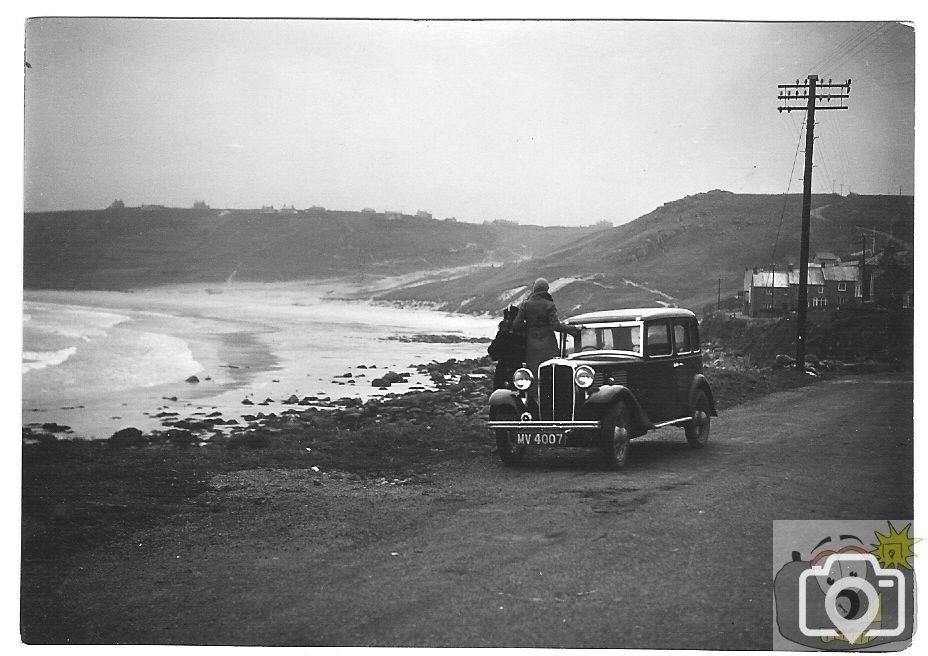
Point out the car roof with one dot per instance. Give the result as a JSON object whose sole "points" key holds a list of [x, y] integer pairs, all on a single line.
{"points": [[631, 314]]}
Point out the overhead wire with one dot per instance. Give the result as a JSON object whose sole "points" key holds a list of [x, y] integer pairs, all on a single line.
{"points": [[792, 171]]}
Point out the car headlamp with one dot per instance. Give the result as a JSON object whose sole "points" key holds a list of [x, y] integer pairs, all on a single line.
{"points": [[583, 376], [522, 379]]}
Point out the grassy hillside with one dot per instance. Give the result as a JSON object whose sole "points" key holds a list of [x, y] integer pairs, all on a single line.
{"points": [[677, 253], [674, 255], [124, 248]]}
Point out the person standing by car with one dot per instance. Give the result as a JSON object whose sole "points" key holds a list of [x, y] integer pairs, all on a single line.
{"points": [[507, 348], [538, 316]]}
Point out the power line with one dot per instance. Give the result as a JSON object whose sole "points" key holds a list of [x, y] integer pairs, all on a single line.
{"points": [[776, 241], [840, 55], [857, 49]]}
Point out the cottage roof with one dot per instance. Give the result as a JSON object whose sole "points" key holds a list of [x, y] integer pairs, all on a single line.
{"points": [[770, 279], [826, 255], [844, 273], [815, 276]]}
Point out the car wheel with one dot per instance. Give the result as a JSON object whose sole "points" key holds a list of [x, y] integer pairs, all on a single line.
{"points": [[509, 452], [697, 428], [615, 436]]}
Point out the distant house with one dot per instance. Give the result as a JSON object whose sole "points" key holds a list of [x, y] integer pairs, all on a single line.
{"points": [[392, 216], [368, 210], [268, 209], [317, 208], [422, 214], [151, 208], [842, 284], [767, 292], [774, 291]]}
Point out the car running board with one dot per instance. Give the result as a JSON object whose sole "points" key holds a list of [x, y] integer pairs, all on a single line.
{"points": [[673, 422]]}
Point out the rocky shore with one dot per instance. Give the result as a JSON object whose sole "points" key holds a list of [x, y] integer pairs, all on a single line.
{"points": [[461, 388], [458, 398]]}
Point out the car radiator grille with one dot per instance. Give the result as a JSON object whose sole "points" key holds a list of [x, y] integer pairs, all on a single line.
{"points": [[556, 392]]}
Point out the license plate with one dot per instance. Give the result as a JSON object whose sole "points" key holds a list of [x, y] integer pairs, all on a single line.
{"points": [[538, 438]]}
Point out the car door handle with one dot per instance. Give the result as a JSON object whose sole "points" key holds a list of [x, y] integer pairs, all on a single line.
{"points": [[677, 364]]}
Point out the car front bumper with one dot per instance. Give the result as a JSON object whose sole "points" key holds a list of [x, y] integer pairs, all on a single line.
{"points": [[543, 425]]}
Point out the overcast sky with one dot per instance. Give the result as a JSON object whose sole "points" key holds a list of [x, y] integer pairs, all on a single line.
{"points": [[541, 122]]}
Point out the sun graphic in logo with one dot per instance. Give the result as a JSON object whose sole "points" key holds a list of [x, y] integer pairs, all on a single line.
{"points": [[895, 549]]}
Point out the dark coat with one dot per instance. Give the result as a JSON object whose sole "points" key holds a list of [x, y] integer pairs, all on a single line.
{"points": [[538, 315], [507, 348]]}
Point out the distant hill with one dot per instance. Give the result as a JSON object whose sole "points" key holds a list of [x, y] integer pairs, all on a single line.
{"points": [[674, 255], [677, 253], [122, 248]]}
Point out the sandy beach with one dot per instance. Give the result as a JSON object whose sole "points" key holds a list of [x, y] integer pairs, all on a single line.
{"points": [[256, 341]]}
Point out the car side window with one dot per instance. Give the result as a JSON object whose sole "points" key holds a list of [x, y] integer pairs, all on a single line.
{"points": [[681, 337], [659, 339]]}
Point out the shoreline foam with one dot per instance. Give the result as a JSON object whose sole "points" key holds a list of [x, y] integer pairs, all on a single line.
{"points": [[255, 341]]}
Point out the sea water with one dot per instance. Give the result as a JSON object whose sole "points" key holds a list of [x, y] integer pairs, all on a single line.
{"points": [[82, 353], [101, 361]]}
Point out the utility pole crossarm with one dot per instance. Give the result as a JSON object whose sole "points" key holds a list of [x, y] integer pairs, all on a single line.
{"points": [[805, 92], [789, 108]]}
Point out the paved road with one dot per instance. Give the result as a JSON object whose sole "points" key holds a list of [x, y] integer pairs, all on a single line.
{"points": [[672, 552]]}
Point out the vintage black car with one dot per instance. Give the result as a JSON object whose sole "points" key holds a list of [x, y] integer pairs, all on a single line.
{"points": [[627, 372]]}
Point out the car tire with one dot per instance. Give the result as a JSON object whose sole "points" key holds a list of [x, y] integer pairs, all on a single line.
{"points": [[697, 428], [615, 436], [509, 452]]}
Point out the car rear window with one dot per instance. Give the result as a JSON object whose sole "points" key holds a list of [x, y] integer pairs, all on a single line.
{"points": [[681, 337]]}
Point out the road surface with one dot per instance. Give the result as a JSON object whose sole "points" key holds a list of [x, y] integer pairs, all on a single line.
{"points": [[672, 552]]}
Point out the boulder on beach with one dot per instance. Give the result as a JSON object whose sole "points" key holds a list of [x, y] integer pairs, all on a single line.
{"points": [[293, 398], [127, 437], [193, 379], [179, 437], [247, 402], [191, 425], [55, 428]]}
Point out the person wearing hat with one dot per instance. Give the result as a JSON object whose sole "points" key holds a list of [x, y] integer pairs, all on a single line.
{"points": [[538, 316], [507, 348]]}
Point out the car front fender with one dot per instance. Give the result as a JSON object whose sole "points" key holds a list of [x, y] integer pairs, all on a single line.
{"points": [[606, 397], [505, 401]]}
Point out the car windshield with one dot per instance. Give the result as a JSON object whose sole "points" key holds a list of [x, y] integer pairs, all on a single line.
{"points": [[613, 337]]}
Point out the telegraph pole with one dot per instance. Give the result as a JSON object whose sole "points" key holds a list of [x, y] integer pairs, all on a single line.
{"points": [[790, 94]]}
